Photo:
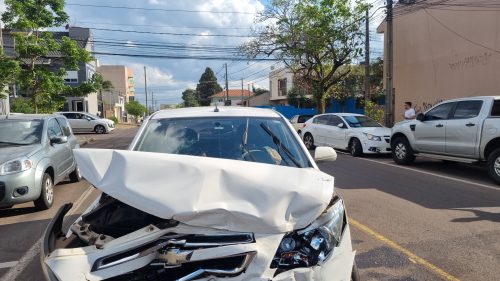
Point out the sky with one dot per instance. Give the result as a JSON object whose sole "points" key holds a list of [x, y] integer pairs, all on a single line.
{"points": [[223, 25]]}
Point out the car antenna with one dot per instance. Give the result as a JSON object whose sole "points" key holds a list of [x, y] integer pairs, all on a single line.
{"points": [[216, 108]]}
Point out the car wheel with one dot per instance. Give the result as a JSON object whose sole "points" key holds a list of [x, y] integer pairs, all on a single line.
{"points": [[309, 141], [402, 153], [99, 129], [494, 165], [46, 198], [75, 176], [355, 273], [299, 132], [355, 148]]}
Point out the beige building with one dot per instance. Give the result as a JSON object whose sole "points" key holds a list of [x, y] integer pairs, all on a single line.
{"points": [[235, 97], [280, 82], [444, 52], [123, 90]]}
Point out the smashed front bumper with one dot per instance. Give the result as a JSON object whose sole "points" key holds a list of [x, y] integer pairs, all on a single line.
{"points": [[180, 253]]}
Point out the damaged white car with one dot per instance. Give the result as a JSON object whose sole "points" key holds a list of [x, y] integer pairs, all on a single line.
{"points": [[206, 194]]}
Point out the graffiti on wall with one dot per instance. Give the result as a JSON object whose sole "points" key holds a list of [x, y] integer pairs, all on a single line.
{"points": [[470, 61], [424, 106]]}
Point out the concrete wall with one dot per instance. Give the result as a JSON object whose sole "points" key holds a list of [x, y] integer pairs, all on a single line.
{"points": [[444, 54], [260, 100]]}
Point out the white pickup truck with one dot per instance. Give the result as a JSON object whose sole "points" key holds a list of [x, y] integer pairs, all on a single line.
{"points": [[463, 130]]}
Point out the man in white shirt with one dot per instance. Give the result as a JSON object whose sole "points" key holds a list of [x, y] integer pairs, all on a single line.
{"points": [[409, 111]]}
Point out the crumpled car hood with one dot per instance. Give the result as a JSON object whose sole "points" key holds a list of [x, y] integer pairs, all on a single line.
{"points": [[210, 192]]}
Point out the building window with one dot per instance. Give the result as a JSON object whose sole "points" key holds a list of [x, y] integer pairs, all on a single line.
{"points": [[71, 77], [282, 87]]}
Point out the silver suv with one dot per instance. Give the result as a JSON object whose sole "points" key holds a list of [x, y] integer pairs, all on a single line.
{"points": [[35, 154], [86, 122]]}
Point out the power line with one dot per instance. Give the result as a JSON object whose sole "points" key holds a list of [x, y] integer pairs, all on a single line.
{"points": [[161, 26], [169, 56], [172, 33], [157, 9]]}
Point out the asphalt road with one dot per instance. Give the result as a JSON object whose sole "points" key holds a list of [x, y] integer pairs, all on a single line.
{"points": [[22, 226], [429, 221]]}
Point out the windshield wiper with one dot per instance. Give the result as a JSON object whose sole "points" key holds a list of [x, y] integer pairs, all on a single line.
{"points": [[278, 142], [14, 143]]}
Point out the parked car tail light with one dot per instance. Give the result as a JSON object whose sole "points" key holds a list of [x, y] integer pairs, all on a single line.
{"points": [[304, 125]]}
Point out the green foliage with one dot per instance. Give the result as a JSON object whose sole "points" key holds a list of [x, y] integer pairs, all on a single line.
{"points": [[374, 111], [21, 105], [259, 91], [296, 98], [9, 70], [42, 84], [135, 108], [190, 98], [314, 37], [113, 118], [207, 86]]}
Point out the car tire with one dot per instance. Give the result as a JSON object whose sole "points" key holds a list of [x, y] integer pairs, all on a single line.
{"points": [[494, 165], [355, 273], [309, 141], [99, 129], [75, 176], [402, 153], [355, 148], [46, 198]]}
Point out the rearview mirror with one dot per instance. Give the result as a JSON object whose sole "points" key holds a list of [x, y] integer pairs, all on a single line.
{"points": [[420, 117], [59, 140], [341, 125], [88, 118], [325, 153]]}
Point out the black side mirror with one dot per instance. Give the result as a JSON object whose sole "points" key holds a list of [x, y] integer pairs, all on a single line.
{"points": [[59, 140], [421, 117]]}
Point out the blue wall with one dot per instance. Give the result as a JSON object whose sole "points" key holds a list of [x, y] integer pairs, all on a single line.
{"points": [[289, 111]]}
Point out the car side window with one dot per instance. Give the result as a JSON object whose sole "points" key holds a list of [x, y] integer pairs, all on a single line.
{"points": [[440, 112], [65, 126], [69, 115], [495, 111], [467, 109], [334, 120], [303, 118], [322, 120], [53, 129]]}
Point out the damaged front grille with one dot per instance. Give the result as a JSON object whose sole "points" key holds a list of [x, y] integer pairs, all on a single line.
{"points": [[174, 258]]}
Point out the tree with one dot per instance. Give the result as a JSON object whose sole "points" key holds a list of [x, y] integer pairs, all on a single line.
{"points": [[259, 91], [314, 38], [134, 108], [21, 105], [41, 79], [207, 86], [190, 98], [9, 69]]}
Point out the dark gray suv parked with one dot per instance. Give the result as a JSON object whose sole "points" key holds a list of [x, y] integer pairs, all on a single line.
{"points": [[36, 153]]}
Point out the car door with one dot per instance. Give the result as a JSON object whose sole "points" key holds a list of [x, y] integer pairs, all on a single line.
{"points": [[293, 121], [336, 135], [319, 129], [88, 122], [60, 153], [430, 133], [463, 128]]}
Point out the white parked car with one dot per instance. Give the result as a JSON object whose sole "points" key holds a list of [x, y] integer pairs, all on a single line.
{"points": [[298, 121], [85, 122], [206, 194], [355, 132]]}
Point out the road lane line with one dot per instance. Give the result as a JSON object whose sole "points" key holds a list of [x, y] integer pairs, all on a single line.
{"points": [[413, 257], [29, 255], [432, 174], [7, 264]]}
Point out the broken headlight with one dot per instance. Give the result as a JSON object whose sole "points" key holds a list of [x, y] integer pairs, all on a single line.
{"points": [[314, 244]]}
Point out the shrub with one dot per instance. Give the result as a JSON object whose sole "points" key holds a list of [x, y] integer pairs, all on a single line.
{"points": [[114, 119]]}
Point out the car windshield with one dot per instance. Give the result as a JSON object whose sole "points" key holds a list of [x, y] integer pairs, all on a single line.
{"points": [[20, 132], [264, 140], [361, 121]]}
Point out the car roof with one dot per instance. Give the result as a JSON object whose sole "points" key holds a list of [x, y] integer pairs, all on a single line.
{"points": [[212, 111], [473, 98], [21, 116], [344, 114]]}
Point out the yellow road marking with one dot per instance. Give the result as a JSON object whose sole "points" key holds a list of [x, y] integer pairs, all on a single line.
{"points": [[443, 274]]}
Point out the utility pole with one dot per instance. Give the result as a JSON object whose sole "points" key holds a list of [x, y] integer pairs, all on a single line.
{"points": [[146, 90], [227, 88], [242, 92], [389, 95], [367, 57], [153, 100]]}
